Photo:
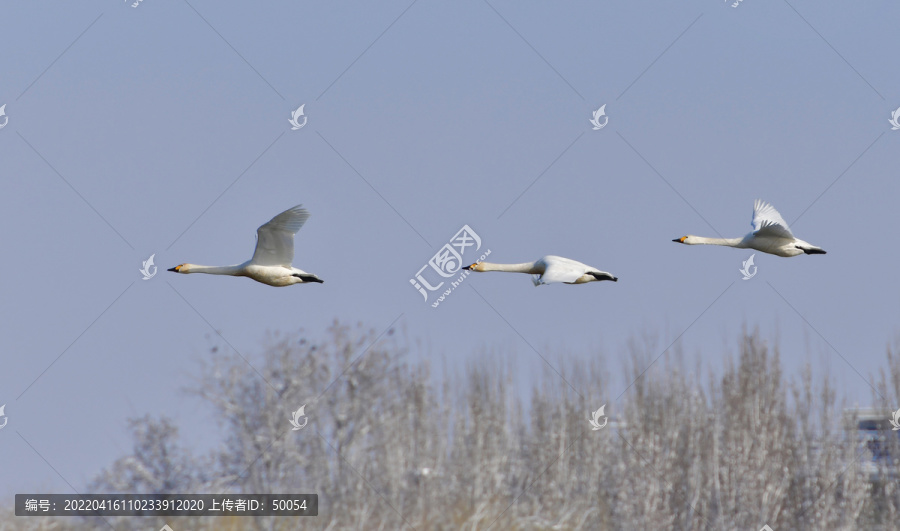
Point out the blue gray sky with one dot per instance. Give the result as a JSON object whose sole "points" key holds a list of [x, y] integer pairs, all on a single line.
{"points": [[163, 128]]}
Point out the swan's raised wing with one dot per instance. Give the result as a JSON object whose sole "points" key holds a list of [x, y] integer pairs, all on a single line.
{"points": [[768, 222], [275, 239], [559, 269]]}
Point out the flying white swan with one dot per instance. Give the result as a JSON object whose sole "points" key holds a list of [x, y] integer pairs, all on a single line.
{"points": [[770, 234], [271, 262], [548, 270]]}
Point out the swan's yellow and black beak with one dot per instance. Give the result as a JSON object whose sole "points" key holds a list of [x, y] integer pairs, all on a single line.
{"points": [[470, 267], [680, 240], [174, 269]]}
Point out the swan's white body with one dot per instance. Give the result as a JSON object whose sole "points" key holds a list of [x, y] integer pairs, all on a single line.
{"points": [[271, 262], [770, 234], [548, 270]]}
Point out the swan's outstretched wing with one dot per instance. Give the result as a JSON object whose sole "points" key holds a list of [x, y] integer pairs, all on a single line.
{"points": [[275, 239], [768, 222], [561, 270]]}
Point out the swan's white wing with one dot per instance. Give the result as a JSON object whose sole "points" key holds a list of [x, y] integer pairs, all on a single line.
{"points": [[275, 239], [562, 270], [768, 222]]}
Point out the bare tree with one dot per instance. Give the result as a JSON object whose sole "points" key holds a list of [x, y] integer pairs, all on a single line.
{"points": [[157, 464], [389, 447]]}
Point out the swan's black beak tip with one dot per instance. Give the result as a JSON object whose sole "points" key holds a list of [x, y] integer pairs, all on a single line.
{"points": [[468, 268], [677, 240], [173, 269]]}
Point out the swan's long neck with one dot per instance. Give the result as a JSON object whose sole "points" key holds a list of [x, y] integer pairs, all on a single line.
{"points": [[526, 267], [235, 270], [728, 242]]}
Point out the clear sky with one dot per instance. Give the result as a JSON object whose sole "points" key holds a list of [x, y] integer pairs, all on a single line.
{"points": [[163, 128]]}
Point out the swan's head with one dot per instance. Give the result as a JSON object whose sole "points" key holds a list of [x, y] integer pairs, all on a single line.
{"points": [[687, 240], [477, 266], [183, 268]]}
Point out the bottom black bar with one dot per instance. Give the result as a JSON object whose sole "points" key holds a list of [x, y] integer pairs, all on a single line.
{"points": [[167, 504]]}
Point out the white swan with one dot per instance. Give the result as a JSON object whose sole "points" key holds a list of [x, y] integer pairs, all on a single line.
{"points": [[548, 270], [271, 262], [770, 234]]}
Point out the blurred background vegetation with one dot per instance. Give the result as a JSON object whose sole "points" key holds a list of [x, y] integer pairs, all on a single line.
{"points": [[389, 446]]}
